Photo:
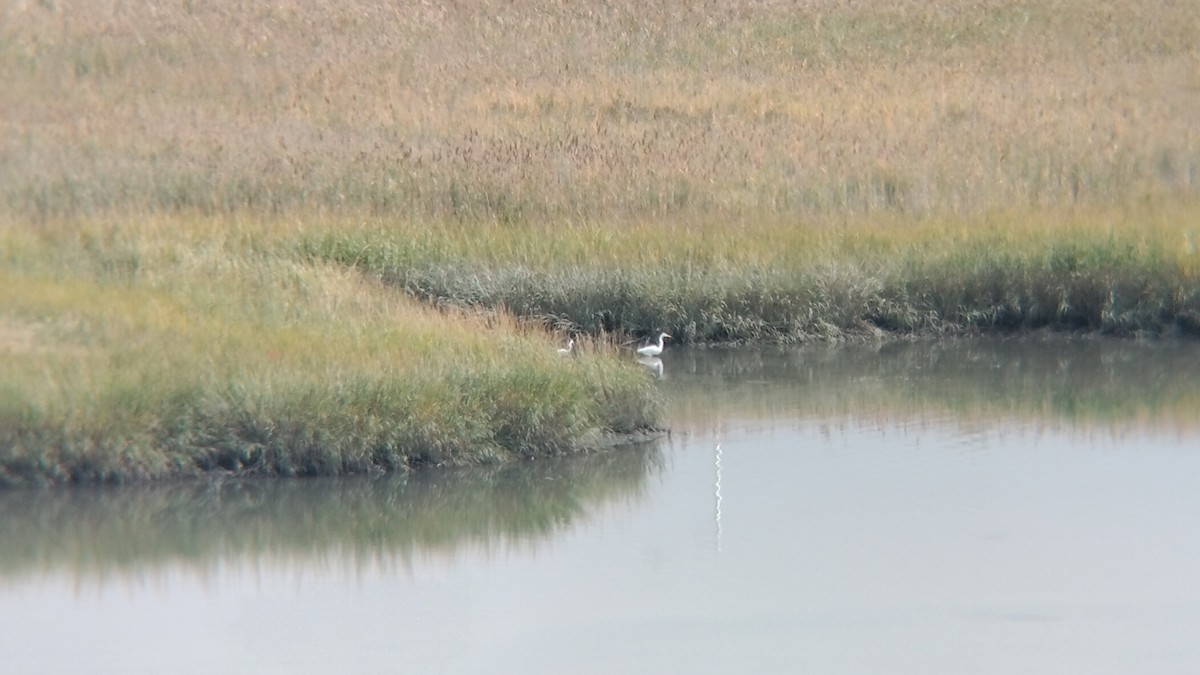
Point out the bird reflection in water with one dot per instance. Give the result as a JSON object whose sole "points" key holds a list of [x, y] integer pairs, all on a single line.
{"points": [[654, 363]]}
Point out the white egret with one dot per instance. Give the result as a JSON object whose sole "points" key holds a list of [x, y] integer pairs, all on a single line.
{"points": [[567, 350], [654, 349]]}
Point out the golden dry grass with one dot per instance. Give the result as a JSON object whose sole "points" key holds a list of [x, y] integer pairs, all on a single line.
{"points": [[516, 110]]}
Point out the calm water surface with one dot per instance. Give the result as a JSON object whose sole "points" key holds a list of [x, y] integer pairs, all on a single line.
{"points": [[996, 506]]}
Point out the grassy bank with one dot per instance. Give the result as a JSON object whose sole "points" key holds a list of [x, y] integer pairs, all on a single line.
{"points": [[206, 211], [1127, 270], [175, 347]]}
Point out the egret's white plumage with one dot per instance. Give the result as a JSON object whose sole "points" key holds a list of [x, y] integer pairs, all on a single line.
{"points": [[567, 350], [654, 349]]}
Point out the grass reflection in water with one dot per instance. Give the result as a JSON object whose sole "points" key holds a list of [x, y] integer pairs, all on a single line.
{"points": [[391, 521], [1085, 383]]}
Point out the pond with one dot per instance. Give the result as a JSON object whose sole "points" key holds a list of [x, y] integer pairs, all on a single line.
{"points": [[994, 505]]}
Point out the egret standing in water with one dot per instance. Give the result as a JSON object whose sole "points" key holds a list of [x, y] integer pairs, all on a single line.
{"points": [[564, 351], [652, 349]]}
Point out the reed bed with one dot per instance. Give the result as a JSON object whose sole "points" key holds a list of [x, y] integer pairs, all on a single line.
{"points": [[206, 209], [1116, 270], [161, 349], [511, 111], [717, 172]]}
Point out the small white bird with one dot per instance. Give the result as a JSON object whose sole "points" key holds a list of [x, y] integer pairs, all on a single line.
{"points": [[567, 350], [654, 349]]}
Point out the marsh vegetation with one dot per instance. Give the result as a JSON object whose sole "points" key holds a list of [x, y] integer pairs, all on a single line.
{"points": [[321, 238], [514, 111], [164, 347]]}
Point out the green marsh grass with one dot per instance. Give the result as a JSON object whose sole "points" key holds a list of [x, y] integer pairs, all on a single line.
{"points": [[1128, 270], [175, 347]]}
